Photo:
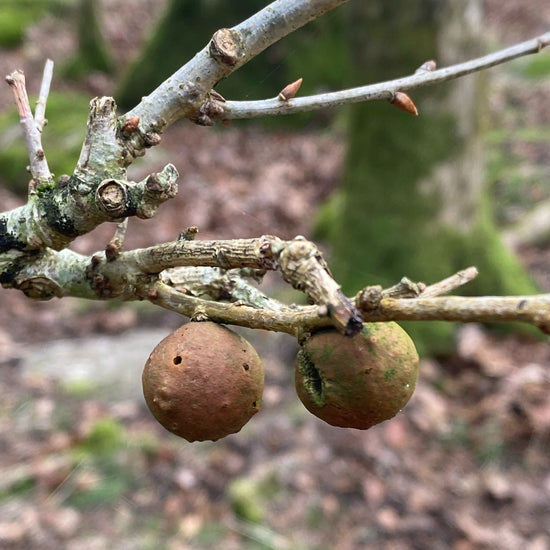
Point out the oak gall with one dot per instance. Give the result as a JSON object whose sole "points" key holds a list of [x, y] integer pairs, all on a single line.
{"points": [[203, 381], [360, 381]]}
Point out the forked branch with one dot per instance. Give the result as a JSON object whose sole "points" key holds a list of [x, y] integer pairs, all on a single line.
{"points": [[210, 278]]}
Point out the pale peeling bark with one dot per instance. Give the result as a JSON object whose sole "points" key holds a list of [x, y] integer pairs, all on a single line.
{"points": [[202, 278]]}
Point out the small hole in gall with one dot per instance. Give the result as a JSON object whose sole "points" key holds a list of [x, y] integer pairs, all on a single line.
{"points": [[177, 360]]}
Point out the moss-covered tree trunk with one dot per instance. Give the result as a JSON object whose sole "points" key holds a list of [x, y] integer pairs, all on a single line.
{"points": [[414, 201]]}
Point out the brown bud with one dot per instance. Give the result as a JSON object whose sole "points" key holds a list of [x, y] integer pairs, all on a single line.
{"points": [[189, 234], [217, 96], [112, 250], [130, 125], [290, 90], [402, 101], [427, 66], [212, 109]]}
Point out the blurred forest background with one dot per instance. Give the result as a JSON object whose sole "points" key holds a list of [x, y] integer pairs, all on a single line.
{"points": [[82, 463]]}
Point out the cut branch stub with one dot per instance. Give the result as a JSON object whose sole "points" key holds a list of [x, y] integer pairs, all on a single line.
{"points": [[224, 46], [112, 197], [121, 198]]}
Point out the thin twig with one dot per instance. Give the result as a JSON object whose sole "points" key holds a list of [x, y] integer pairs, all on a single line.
{"points": [[33, 140], [16, 80], [450, 283], [382, 90], [286, 319], [40, 110], [480, 309], [291, 319], [60, 274]]}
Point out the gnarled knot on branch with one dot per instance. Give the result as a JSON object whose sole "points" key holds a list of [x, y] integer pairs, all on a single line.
{"points": [[303, 266]]}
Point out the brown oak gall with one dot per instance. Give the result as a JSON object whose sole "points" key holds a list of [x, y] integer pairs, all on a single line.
{"points": [[357, 382], [203, 381]]}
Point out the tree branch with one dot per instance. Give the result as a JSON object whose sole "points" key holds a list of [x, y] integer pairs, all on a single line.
{"points": [[450, 283], [483, 309], [183, 93], [292, 320], [141, 274], [299, 261], [40, 110], [384, 90], [177, 275], [56, 214], [31, 130]]}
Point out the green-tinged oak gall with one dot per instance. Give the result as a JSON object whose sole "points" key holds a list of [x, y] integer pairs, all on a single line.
{"points": [[357, 382], [203, 381]]}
